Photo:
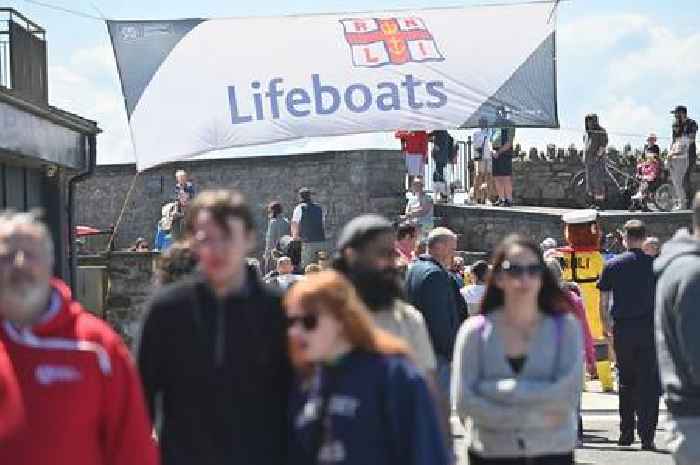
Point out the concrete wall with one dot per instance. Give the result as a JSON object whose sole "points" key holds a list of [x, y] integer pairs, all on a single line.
{"points": [[346, 185]]}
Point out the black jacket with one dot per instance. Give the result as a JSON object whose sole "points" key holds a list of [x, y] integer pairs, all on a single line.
{"points": [[222, 370]]}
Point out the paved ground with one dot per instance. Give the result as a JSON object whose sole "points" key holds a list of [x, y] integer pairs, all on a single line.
{"points": [[601, 430]]}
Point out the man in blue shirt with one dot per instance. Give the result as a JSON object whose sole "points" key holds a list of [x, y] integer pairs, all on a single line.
{"points": [[629, 279]]}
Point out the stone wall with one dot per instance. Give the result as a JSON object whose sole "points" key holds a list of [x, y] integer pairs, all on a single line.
{"points": [[480, 229], [129, 277], [346, 185], [547, 183]]}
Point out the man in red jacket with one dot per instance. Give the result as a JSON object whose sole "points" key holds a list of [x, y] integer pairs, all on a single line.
{"points": [[69, 392]]}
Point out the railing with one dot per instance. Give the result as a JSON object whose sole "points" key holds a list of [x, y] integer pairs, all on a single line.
{"points": [[5, 74], [456, 173], [9, 16]]}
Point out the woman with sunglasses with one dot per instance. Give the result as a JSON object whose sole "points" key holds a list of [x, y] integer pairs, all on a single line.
{"points": [[517, 365], [367, 404]]}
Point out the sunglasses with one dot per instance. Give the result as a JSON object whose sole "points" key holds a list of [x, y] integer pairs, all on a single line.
{"points": [[309, 321], [517, 271]]}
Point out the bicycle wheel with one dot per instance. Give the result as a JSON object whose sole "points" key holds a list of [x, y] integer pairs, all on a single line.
{"points": [[579, 192], [665, 197]]}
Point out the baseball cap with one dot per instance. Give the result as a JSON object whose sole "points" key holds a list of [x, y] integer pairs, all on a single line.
{"points": [[361, 228], [680, 109], [305, 190]]}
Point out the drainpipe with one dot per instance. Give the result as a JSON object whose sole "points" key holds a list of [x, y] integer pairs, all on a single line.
{"points": [[92, 161]]}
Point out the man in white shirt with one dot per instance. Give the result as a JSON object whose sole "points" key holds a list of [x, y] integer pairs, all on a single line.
{"points": [[482, 156]]}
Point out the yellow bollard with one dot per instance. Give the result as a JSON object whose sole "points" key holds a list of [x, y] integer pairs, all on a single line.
{"points": [[584, 266]]}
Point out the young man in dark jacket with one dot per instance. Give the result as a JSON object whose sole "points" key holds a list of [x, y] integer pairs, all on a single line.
{"points": [[677, 342], [434, 293], [213, 348]]}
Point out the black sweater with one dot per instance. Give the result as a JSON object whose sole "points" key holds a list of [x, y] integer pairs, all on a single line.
{"points": [[222, 370]]}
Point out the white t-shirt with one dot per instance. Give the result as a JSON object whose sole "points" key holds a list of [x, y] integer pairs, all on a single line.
{"points": [[414, 203], [482, 139], [473, 294], [296, 214], [284, 281]]}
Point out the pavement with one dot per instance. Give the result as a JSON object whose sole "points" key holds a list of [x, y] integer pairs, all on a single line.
{"points": [[601, 430]]}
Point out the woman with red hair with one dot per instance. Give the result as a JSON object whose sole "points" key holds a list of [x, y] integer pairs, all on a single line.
{"points": [[367, 402]]}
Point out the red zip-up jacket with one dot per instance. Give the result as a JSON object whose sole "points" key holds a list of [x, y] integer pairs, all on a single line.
{"points": [[70, 393]]}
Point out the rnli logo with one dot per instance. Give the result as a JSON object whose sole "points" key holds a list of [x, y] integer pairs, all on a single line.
{"points": [[51, 374], [393, 41]]}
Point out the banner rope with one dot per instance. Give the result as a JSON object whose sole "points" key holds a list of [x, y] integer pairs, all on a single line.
{"points": [[85, 15], [65, 10], [121, 213]]}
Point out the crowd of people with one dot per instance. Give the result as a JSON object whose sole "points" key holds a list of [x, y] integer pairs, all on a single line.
{"points": [[362, 361]]}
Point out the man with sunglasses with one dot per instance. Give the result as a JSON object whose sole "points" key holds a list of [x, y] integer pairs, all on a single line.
{"points": [[629, 279], [213, 348]]}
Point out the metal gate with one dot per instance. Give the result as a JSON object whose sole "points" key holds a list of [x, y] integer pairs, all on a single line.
{"points": [[454, 172]]}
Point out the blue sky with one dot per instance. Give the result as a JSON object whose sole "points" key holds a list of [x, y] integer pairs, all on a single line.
{"points": [[631, 61]]}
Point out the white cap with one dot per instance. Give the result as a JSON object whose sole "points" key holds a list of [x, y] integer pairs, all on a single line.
{"points": [[548, 243], [580, 216]]}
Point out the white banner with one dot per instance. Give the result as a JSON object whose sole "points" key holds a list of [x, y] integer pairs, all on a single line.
{"points": [[192, 86]]}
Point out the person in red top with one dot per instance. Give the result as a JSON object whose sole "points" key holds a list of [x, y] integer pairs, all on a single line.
{"points": [[69, 392], [414, 145]]}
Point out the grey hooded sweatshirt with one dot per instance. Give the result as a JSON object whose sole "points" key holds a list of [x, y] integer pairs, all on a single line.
{"points": [[678, 323]]}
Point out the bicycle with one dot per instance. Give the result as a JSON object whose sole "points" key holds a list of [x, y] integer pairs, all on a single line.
{"points": [[662, 198]]}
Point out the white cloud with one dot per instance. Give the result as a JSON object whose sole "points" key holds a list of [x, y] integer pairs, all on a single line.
{"points": [[669, 60], [98, 59], [88, 89], [596, 34]]}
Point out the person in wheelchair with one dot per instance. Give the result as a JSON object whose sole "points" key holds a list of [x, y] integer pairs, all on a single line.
{"points": [[649, 176]]}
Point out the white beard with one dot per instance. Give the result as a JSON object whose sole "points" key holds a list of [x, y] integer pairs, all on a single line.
{"points": [[24, 304]]}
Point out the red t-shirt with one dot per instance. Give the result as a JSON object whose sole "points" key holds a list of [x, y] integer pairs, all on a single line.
{"points": [[414, 142]]}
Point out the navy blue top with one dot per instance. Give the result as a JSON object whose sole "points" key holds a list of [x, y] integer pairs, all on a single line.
{"points": [[378, 411], [311, 225], [630, 277], [433, 291]]}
